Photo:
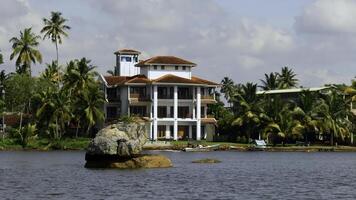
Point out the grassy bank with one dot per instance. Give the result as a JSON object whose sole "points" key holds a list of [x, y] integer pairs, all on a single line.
{"points": [[44, 144]]}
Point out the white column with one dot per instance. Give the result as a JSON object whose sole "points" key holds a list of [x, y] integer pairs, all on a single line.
{"points": [[155, 102], [175, 113], [168, 133], [198, 114], [206, 111], [151, 132], [194, 100], [190, 132], [168, 111]]}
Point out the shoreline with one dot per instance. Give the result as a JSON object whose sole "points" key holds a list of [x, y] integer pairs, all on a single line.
{"points": [[238, 149]]}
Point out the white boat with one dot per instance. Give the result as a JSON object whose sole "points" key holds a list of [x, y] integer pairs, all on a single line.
{"points": [[201, 148]]}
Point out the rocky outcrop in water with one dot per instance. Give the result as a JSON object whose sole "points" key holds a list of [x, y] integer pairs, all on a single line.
{"points": [[119, 146], [122, 139], [138, 161]]}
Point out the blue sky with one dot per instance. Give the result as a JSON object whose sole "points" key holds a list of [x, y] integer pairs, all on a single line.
{"points": [[242, 39]]}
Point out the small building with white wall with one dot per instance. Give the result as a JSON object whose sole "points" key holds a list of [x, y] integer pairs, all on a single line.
{"points": [[163, 91]]}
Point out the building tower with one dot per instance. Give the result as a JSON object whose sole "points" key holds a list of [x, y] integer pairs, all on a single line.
{"points": [[126, 59]]}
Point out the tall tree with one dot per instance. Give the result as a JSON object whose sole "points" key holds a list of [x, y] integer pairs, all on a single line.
{"points": [[286, 79], [55, 28], [92, 102], [270, 82], [52, 73], [229, 89], [332, 113], [26, 50], [247, 111], [1, 58]]}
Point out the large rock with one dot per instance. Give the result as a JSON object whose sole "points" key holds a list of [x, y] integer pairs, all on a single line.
{"points": [[138, 161], [121, 139]]}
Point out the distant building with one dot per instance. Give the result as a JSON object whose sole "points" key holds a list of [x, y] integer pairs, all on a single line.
{"points": [[162, 90], [292, 93]]}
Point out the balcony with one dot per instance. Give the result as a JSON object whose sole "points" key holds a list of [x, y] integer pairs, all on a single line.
{"points": [[208, 99], [165, 96], [139, 97]]}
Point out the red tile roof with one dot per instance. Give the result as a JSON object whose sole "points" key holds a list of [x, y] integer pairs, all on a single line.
{"points": [[115, 80], [167, 60], [169, 78], [127, 51]]}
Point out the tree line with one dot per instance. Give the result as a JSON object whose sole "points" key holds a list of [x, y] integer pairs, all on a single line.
{"points": [[309, 117], [63, 100]]}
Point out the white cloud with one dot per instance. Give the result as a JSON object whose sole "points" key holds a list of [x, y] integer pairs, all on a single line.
{"points": [[200, 31], [328, 16]]}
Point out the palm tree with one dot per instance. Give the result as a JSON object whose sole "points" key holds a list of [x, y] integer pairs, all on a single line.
{"points": [[92, 102], [54, 28], [1, 59], [79, 74], [332, 113], [25, 48], [55, 110], [247, 111], [270, 82], [286, 79], [228, 88], [52, 73]]}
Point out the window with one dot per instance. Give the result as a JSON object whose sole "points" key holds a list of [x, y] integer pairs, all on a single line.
{"points": [[126, 59], [177, 67], [183, 112], [162, 93], [162, 67], [161, 131], [136, 58], [183, 67], [112, 94], [162, 112], [185, 93], [155, 67]]}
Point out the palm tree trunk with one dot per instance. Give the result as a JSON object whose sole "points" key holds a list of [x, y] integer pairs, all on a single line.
{"points": [[76, 132], [56, 137], [88, 129], [57, 51]]}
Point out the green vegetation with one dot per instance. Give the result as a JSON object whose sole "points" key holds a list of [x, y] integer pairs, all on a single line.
{"points": [[309, 117], [64, 102], [46, 144], [25, 48]]}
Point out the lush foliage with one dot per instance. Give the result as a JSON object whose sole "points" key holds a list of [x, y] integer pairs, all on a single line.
{"points": [[308, 117], [62, 101]]}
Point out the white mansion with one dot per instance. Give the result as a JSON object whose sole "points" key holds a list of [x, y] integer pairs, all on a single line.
{"points": [[163, 91]]}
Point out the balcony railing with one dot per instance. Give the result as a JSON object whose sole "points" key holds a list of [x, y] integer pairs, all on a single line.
{"points": [[207, 97], [185, 96], [185, 115], [165, 96], [139, 96]]}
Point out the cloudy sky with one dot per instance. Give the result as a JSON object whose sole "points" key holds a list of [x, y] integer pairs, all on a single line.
{"points": [[242, 39]]}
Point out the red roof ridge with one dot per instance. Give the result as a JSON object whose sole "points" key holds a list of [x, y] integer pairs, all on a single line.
{"points": [[127, 51], [168, 60]]}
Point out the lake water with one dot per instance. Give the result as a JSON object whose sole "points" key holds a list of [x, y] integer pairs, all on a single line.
{"points": [[241, 175]]}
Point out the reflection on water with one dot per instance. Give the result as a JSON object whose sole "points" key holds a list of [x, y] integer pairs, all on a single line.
{"points": [[241, 175]]}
